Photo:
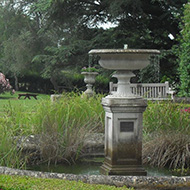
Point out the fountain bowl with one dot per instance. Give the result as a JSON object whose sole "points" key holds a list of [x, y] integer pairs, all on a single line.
{"points": [[124, 59]]}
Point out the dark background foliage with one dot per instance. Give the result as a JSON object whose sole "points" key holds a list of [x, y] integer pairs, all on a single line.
{"points": [[48, 39]]}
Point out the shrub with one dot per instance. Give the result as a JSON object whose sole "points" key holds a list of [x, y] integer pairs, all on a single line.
{"points": [[4, 84]]}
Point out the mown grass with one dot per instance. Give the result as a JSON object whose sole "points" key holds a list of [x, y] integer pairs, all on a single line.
{"points": [[29, 183], [7, 99]]}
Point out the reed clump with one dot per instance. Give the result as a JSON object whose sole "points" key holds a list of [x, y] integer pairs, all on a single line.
{"points": [[171, 150], [64, 124], [61, 127], [166, 135]]}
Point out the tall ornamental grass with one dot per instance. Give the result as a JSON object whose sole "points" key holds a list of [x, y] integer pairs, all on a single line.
{"points": [[166, 135], [63, 124], [170, 150], [14, 123], [61, 127], [9, 154], [166, 116]]}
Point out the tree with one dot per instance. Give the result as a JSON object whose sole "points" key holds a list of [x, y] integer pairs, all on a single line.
{"points": [[184, 54], [20, 41], [17, 56], [64, 31], [140, 24]]}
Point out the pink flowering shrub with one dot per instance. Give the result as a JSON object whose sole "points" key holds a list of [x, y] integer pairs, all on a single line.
{"points": [[187, 110], [5, 85]]}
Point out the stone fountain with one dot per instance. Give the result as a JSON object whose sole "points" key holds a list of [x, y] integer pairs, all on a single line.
{"points": [[123, 112]]}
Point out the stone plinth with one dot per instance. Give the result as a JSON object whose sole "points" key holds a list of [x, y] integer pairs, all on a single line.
{"points": [[123, 136]]}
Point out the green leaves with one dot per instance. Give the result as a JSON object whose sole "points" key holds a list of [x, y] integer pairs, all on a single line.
{"points": [[184, 56]]}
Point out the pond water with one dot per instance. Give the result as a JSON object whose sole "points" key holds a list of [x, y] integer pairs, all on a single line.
{"points": [[90, 169]]}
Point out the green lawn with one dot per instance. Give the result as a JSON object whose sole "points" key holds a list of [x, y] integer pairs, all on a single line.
{"points": [[12, 100], [28, 183]]}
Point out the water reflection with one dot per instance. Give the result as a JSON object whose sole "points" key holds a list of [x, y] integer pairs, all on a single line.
{"points": [[90, 169]]}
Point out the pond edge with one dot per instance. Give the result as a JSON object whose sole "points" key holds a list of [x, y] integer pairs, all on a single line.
{"points": [[139, 182]]}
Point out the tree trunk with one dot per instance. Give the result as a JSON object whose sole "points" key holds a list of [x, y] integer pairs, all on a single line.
{"points": [[55, 85], [16, 82]]}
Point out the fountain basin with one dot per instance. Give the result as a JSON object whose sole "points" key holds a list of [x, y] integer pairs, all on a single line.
{"points": [[124, 59]]}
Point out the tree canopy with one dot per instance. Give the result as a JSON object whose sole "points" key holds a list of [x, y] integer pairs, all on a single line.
{"points": [[59, 34]]}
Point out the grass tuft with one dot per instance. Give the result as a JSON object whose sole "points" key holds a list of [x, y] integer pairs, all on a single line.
{"points": [[170, 150]]}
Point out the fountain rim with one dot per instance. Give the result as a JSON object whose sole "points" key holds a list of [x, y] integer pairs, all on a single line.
{"points": [[123, 51]]}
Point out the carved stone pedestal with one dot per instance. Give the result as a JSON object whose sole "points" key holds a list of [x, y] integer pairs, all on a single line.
{"points": [[123, 136]]}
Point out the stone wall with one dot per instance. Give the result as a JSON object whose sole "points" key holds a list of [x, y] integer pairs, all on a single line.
{"points": [[139, 183]]}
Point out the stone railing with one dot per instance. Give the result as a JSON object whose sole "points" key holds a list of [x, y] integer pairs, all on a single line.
{"points": [[154, 91]]}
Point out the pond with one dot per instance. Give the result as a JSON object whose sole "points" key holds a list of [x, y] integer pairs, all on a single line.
{"points": [[90, 169]]}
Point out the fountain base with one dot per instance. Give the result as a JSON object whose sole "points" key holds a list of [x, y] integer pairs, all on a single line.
{"points": [[123, 135], [132, 170]]}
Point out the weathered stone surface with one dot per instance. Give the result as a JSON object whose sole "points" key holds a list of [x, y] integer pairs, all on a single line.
{"points": [[28, 142], [93, 145], [139, 183], [123, 136]]}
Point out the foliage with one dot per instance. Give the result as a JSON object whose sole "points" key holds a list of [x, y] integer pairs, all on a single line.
{"points": [[18, 42], [58, 34], [4, 84], [16, 120], [169, 67], [9, 155], [102, 83], [181, 172], [17, 54], [136, 25], [172, 151], [184, 57], [151, 74], [63, 125], [167, 123], [25, 182], [165, 116]]}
